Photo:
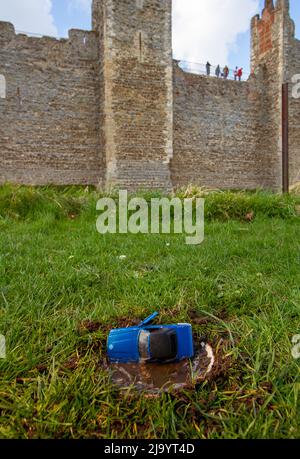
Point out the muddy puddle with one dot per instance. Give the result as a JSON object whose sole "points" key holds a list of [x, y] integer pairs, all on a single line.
{"points": [[154, 378]]}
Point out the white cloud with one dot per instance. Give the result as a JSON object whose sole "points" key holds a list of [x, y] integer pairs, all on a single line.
{"points": [[202, 29], [29, 15], [208, 29]]}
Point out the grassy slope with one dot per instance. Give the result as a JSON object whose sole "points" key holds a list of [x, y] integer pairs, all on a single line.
{"points": [[56, 271]]}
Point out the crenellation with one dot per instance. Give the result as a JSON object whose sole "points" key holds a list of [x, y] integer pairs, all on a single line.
{"points": [[49, 129], [7, 28]]}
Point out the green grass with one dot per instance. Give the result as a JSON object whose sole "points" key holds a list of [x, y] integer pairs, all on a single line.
{"points": [[56, 271]]}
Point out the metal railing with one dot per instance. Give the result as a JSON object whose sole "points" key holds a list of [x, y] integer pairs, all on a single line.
{"points": [[37, 35], [200, 69]]}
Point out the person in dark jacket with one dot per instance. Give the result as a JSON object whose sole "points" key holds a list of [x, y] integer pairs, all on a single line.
{"points": [[208, 66]]}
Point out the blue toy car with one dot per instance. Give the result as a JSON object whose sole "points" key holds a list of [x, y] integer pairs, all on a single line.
{"points": [[150, 343]]}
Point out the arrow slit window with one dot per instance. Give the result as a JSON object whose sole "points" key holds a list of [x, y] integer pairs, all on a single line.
{"points": [[2, 87]]}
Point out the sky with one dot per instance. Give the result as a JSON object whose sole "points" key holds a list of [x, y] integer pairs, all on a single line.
{"points": [[203, 30]]}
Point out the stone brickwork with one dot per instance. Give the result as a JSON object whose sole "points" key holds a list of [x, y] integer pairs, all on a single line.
{"points": [[276, 58], [267, 62], [292, 67], [49, 130], [215, 132], [110, 107], [294, 114], [136, 56]]}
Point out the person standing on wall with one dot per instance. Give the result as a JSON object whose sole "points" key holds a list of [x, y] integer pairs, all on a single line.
{"points": [[226, 72], [208, 66], [240, 74], [218, 71], [236, 73]]}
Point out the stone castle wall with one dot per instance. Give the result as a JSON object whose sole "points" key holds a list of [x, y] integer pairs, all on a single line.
{"points": [[267, 63], [49, 120], [215, 132], [293, 68], [110, 107], [137, 69]]}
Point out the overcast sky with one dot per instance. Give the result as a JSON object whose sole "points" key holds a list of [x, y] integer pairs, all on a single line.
{"points": [[214, 30]]}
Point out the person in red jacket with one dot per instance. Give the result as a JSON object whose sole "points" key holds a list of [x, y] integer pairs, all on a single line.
{"points": [[240, 74]]}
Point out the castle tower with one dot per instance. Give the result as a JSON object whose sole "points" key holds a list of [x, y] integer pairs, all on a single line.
{"points": [[272, 37], [136, 85]]}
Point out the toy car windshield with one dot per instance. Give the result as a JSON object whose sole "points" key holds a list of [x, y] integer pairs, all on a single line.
{"points": [[150, 343], [160, 344]]}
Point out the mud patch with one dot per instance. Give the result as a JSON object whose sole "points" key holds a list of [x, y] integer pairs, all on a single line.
{"points": [[88, 326], [211, 364], [157, 378]]}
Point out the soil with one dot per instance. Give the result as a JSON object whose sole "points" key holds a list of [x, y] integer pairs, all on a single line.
{"points": [[209, 363]]}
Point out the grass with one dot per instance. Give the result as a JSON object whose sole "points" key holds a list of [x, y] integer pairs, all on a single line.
{"points": [[57, 272]]}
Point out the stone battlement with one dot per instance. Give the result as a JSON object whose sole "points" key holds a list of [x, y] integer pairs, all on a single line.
{"points": [[110, 107]]}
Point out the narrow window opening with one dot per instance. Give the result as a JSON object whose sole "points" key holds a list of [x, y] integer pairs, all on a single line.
{"points": [[140, 46], [19, 98], [2, 87]]}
